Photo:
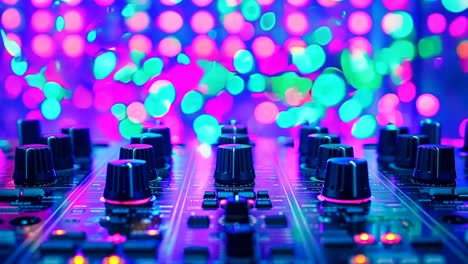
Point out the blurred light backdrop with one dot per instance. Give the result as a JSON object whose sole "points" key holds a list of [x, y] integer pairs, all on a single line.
{"points": [[351, 65]]}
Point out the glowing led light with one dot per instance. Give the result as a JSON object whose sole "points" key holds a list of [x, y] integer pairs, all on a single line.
{"points": [[361, 3], [436, 23], [266, 113], [360, 45], [59, 232], [11, 18], [395, 4], [295, 45], [41, 3], [233, 22], [455, 6], [328, 3], [141, 43], [364, 239], [152, 232], [170, 46], [202, 3], [51, 109], [42, 21], [72, 2], [43, 45], [243, 61], [119, 111], [82, 98], [388, 103], [170, 21], [59, 23], [202, 22], [428, 105], [297, 23], [263, 47], [78, 259], [183, 59], [13, 86], [365, 127], [390, 238], [138, 22], [192, 102], [19, 66], [298, 2], [359, 259], [265, 2], [462, 50], [359, 22], [310, 59], [104, 65], [251, 10], [406, 92], [10, 2], [398, 24], [73, 21], [73, 45], [113, 260], [459, 26], [268, 21], [207, 129], [53, 90], [204, 46]]}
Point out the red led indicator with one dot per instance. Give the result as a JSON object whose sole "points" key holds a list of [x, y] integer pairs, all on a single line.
{"points": [[59, 232], [390, 238], [364, 239]]}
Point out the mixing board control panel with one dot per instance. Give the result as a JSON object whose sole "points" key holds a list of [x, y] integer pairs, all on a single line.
{"points": [[246, 199]]}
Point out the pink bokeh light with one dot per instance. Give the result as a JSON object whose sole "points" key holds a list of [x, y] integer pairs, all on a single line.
{"points": [[73, 46], [141, 43], [43, 45], [11, 19], [428, 105], [436, 23], [459, 27], [406, 92], [359, 22], [263, 47], [202, 22], [361, 3], [170, 21], [42, 20], [74, 21], [296, 23]]}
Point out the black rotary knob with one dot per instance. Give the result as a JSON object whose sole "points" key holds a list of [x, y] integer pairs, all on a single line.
{"points": [[329, 151], [165, 132], [387, 140], [33, 165], [314, 141], [29, 132], [237, 210], [234, 165], [306, 130], [156, 141], [403, 130], [62, 150], [240, 241], [432, 129], [126, 183], [233, 139], [234, 128], [346, 181], [81, 141], [465, 146], [407, 148], [142, 152], [435, 164]]}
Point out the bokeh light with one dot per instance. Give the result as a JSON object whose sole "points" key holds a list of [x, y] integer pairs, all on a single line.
{"points": [[266, 112], [297, 23], [169, 46], [263, 47], [73, 45], [74, 21], [459, 26], [42, 21], [11, 18], [170, 21], [428, 105], [436, 23], [359, 22], [455, 6], [202, 22], [43, 45]]}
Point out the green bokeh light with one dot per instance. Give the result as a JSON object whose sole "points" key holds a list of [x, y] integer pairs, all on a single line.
{"points": [[91, 36], [125, 74], [257, 83], [119, 111], [104, 64], [251, 10], [128, 11], [310, 59], [329, 88], [59, 23], [19, 66], [285, 119], [215, 76], [455, 6], [322, 36], [268, 21], [37, 80], [403, 49], [243, 61], [53, 90], [129, 129], [137, 56], [140, 77], [207, 129], [192, 102], [282, 83], [349, 110], [360, 71], [364, 97], [365, 127], [235, 85], [153, 66], [430, 47], [225, 6], [310, 112], [406, 26], [51, 109], [10, 46], [183, 59]]}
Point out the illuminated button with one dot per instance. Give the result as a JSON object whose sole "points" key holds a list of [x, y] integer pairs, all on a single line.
{"points": [[263, 194], [65, 235], [247, 194], [359, 259], [209, 195], [78, 259], [263, 204], [390, 238], [364, 239], [152, 234], [113, 260], [210, 204]]}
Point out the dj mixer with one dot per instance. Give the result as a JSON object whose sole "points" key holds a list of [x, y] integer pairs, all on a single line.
{"points": [[246, 199]]}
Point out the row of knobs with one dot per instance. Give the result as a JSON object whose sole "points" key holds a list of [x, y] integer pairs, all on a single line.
{"points": [[39, 157]]}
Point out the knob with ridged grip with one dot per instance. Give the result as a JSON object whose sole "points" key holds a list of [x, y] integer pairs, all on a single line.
{"points": [[81, 141], [346, 181], [234, 128], [431, 129], [156, 141], [464, 149], [233, 139], [435, 164], [142, 152], [240, 241], [234, 165], [29, 132], [306, 130], [407, 148], [165, 132], [62, 150], [329, 151], [34, 165], [127, 182], [314, 141], [237, 210], [387, 140]]}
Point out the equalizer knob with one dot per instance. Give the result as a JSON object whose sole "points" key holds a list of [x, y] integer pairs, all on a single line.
{"points": [[346, 181], [234, 165], [240, 241], [234, 128], [33, 165], [329, 151], [29, 132], [62, 150], [233, 139], [165, 132], [314, 141], [465, 145], [435, 164], [126, 183], [387, 141], [307, 129], [237, 210], [81, 141], [156, 141], [432, 129], [142, 152], [407, 148]]}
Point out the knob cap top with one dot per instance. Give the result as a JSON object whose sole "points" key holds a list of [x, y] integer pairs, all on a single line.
{"points": [[346, 181], [141, 152], [314, 141], [387, 140], [432, 129], [234, 165], [328, 151], [157, 142], [307, 129], [62, 150], [435, 164], [81, 141], [29, 132], [407, 148], [33, 165]]}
